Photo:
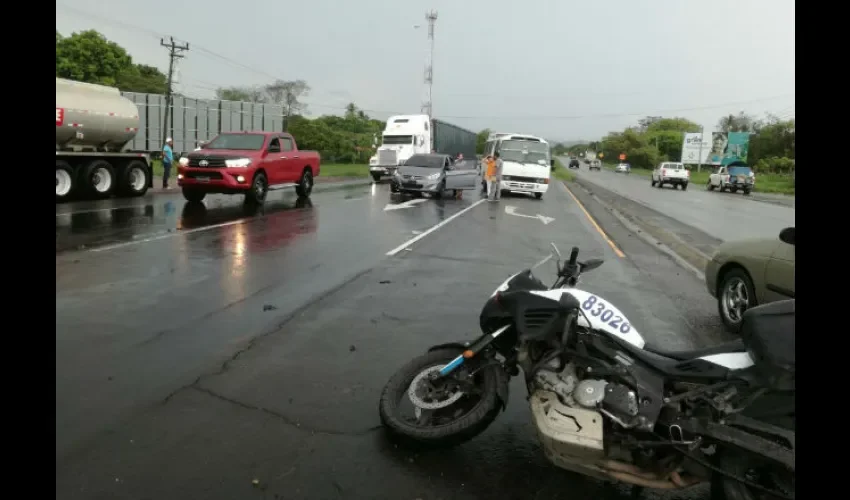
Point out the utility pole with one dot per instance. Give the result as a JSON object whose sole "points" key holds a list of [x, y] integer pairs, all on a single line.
{"points": [[699, 155], [428, 107], [174, 53]]}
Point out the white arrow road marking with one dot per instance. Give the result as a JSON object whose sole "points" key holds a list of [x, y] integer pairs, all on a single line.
{"points": [[406, 204], [511, 210]]}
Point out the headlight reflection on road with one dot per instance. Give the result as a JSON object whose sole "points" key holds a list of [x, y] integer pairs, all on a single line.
{"points": [[374, 188], [233, 277]]}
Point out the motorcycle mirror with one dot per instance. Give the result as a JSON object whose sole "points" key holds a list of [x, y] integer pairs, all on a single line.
{"points": [[556, 250], [591, 264]]}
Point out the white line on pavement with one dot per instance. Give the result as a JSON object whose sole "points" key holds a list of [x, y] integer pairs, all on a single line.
{"points": [[418, 237]]}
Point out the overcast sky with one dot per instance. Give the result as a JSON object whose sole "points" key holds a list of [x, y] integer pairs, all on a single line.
{"points": [[563, 69]]}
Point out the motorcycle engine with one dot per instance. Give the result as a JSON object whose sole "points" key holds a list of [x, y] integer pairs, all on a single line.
{"points": [[616, 400]]}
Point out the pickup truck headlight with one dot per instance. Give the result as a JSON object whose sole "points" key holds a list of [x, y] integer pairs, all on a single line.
{"points": [[183, 161], [434, 176], [239, 162]]}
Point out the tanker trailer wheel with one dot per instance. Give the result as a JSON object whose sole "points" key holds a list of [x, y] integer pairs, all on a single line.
{"points": [[65, 184], [134, 179], [97, 179]]}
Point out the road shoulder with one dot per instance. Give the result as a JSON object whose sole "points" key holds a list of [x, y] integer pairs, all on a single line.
{"points": [[688, 246]]}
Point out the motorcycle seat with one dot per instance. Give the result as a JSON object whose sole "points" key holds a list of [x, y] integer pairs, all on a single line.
{"points": [[685, 355]]}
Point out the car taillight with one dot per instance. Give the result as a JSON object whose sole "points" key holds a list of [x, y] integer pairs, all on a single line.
{"points": [[687, 173], [663, 171]]}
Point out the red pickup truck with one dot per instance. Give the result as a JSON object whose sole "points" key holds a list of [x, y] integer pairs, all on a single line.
{"points": [[249, 163]]}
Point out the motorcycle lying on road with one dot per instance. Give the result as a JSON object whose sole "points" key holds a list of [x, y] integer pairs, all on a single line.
{"points": [[606, 404]]}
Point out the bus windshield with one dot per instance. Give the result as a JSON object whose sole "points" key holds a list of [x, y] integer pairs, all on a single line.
{"points": [[524, 152]]}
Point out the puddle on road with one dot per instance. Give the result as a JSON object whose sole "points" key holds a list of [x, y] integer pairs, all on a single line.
{"points": [[96, 228]]}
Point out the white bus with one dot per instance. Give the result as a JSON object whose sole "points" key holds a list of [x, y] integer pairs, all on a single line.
{"points": [[527, 162]]}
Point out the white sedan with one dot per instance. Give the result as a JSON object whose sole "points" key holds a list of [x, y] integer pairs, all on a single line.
{"points": [[623, 168]]}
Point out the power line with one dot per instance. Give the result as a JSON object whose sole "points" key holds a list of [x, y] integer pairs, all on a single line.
{"points": [[213, 54]]}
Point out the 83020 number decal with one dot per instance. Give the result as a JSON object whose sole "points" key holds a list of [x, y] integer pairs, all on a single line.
{"points": [[599, 309]]}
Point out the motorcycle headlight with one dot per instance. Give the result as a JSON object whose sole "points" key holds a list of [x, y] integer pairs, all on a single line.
{"points": [[239, 162], [434, 177]]}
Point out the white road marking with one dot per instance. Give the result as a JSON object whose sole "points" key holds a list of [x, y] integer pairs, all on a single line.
{"points": [[170, 235], [511, 210], [406, 244], [407, 204]]}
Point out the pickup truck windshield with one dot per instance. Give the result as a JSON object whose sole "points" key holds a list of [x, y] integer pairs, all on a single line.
{"points": [[524, 152], [393, 140], [237, 141]]}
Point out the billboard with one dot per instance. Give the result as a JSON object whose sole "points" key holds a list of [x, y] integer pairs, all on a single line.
{"points": [[737, 148], [722, 148], [695, 148]]}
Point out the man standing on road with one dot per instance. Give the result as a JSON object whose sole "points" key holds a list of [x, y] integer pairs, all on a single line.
{"points": [[494, 177], [167, 161]]}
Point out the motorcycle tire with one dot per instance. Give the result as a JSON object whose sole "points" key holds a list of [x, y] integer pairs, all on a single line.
{"points": [[472, 423]]}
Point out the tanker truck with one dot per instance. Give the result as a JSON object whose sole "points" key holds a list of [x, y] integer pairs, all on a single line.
{"points": [[93, 124]]}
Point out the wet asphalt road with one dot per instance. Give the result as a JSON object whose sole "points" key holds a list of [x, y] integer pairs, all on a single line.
{"points": [[199, 350], [724, 216]]}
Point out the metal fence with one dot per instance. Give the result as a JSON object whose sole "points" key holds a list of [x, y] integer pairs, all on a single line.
{"points": [[194, 120]]}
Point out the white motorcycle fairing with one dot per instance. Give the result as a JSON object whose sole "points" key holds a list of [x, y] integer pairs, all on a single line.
{"points": [[601, 314], [606, 317]]}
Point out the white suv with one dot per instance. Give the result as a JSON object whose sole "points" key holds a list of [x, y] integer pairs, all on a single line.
{"points": [[672, 173]]}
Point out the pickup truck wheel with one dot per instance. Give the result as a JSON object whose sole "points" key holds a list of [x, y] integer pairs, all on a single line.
{"points": [[710, 186], [733, 190], [539, 196], [193, 195], [685, 186], [746, 192], [376, 177], [305, 185], [65, 183], [651, 182], [660, 185], [259, 189], [98, 178]]}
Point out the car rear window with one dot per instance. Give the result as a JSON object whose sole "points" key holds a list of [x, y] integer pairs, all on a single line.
{"points": [[672, 166]]}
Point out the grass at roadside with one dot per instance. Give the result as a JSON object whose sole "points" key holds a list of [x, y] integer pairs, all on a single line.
{"points": [[326, 170], [562, 173], [765, 183]]}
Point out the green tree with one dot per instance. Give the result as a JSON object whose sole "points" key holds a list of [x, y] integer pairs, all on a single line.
{"points": [[89, 57], [481, 141], [775, 139], [289, 94], [246, 94], [742, 122], [143, 78]]}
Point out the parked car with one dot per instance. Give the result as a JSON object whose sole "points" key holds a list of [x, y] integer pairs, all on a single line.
{"points": [[248, 163], [733, 177], [623, 168], [433, 174], [672, 173], [747, 273]]}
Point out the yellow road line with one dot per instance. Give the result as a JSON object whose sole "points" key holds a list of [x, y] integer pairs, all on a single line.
{"points": [[617, 251]]}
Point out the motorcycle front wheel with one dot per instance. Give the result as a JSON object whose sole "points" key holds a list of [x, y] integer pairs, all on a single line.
{"points": [[445, 413]]}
